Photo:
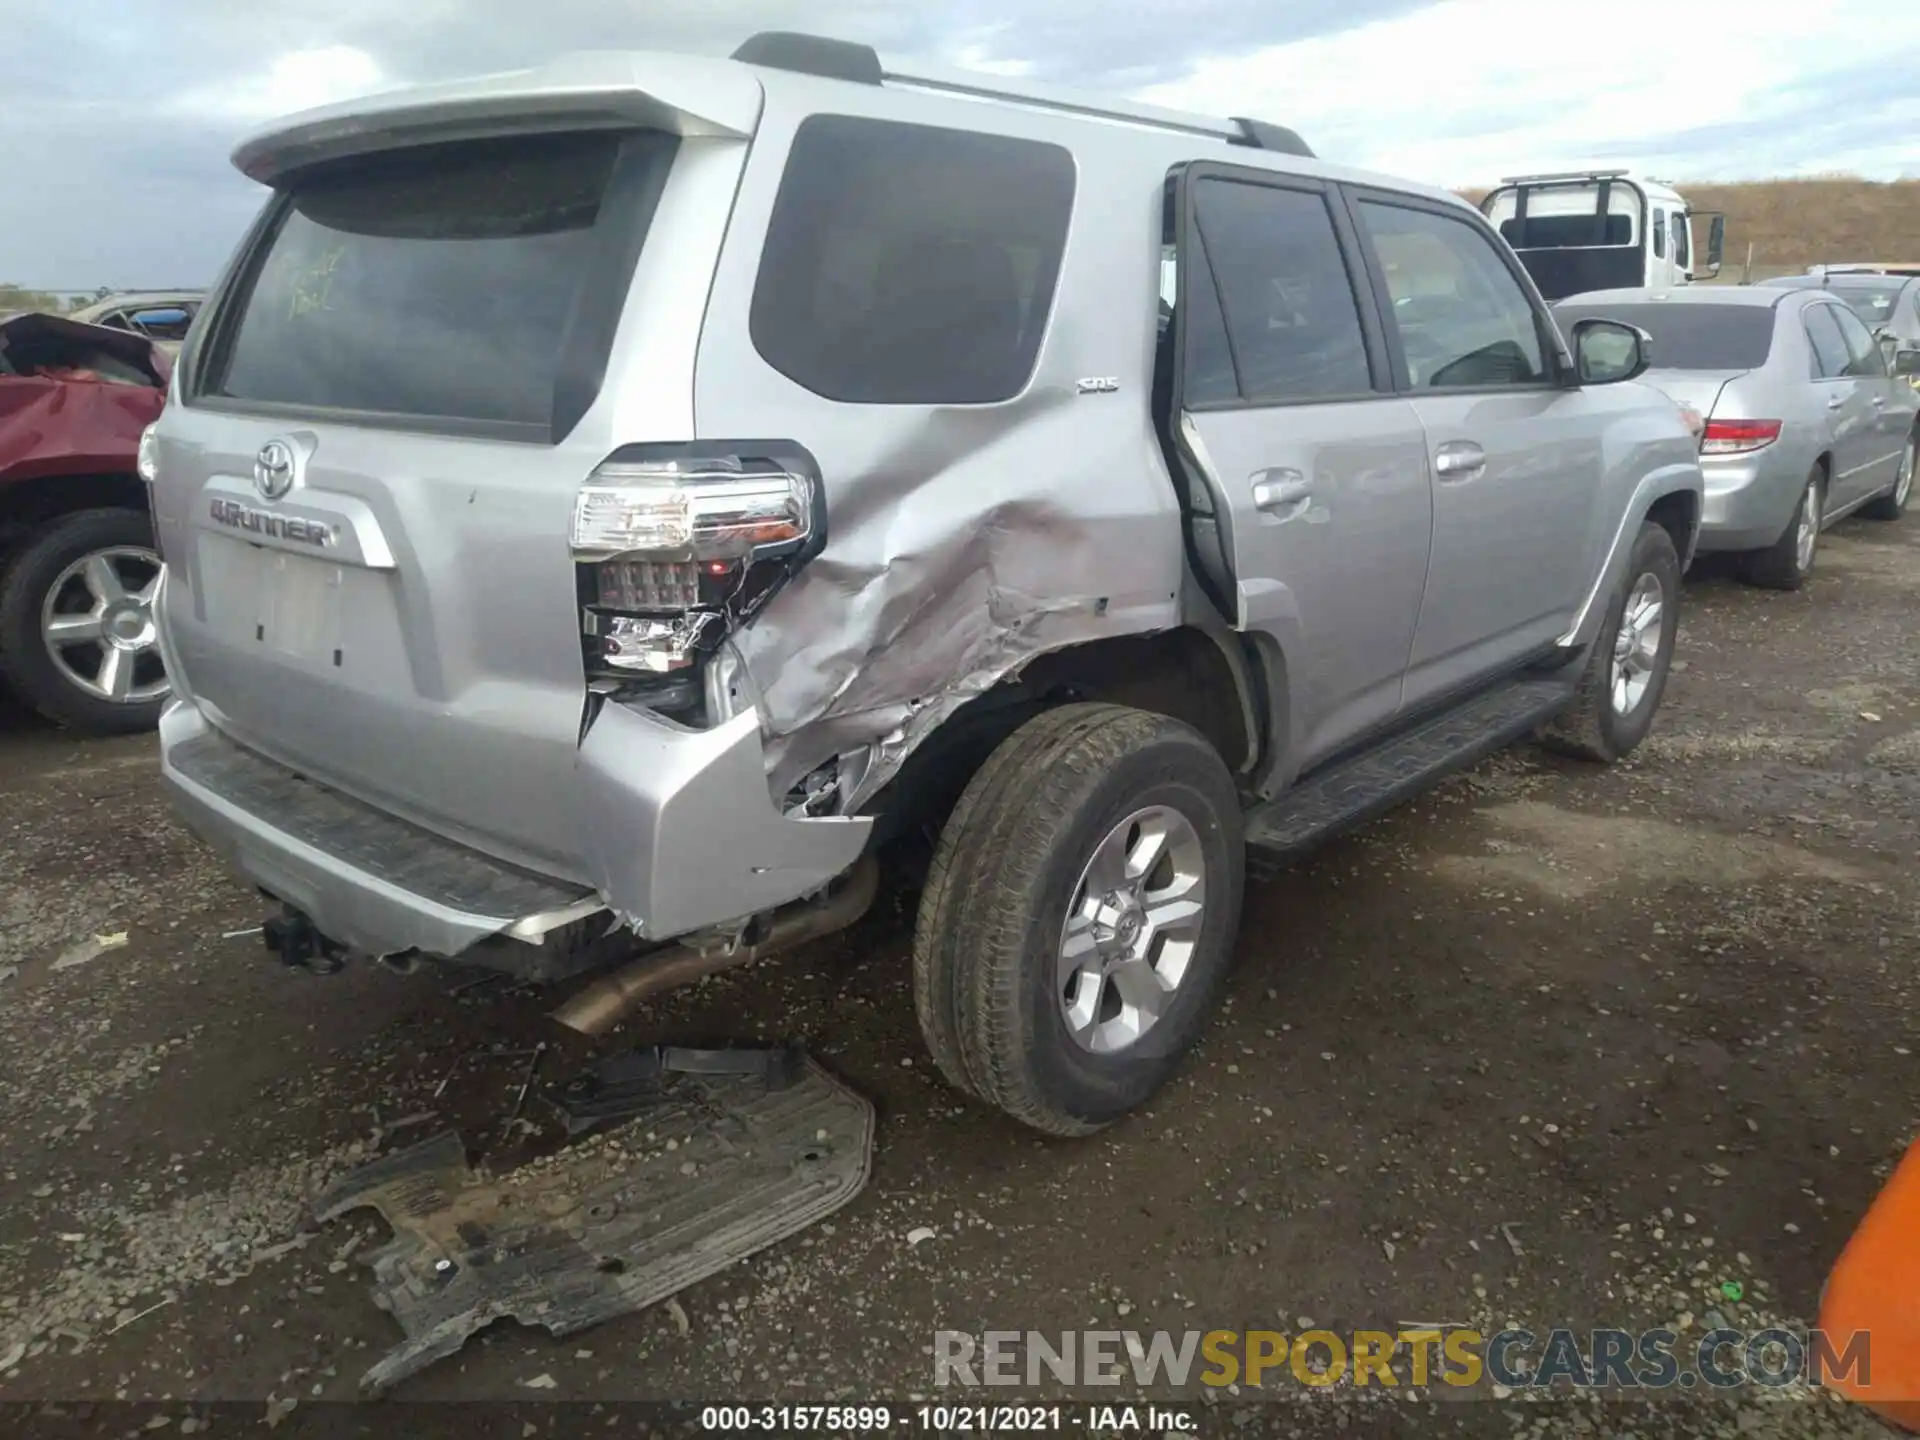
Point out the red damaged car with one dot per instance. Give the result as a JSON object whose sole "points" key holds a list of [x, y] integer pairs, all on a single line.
{"points": [[78, 567]]}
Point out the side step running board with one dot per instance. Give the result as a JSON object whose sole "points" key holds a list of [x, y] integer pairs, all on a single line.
{"points": [[1351, 791]]}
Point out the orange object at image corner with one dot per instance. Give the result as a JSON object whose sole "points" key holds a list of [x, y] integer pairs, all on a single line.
{"points": [[1875, 1286]]}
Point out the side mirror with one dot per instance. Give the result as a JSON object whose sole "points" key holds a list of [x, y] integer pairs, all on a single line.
{"points": [[1906, 363], [1716, 242], [1606, 352]]}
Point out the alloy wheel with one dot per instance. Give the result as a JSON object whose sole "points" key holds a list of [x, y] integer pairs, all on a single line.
{"points": [[1131, 932], [98, 626]]}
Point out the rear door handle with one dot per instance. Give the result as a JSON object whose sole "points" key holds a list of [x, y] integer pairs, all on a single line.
{"points": [[1283, 489], [1834, 402], [1458, 461]]}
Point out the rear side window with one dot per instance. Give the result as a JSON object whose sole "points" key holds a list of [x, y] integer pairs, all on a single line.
{"points": [[1690, 337], [1873, 306], [1865, 360], [440, 283], [1291, 319], [1830, 357], [1207, 374], [911, 265]]}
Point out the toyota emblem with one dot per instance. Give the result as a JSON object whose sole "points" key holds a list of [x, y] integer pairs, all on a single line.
{"points": [[273, 469]]}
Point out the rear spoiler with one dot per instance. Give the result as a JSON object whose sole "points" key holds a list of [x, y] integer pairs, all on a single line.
{"points": [[681, 94]]}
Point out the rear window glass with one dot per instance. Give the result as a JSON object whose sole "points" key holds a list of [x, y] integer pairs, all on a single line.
{"points": [[1875, 307], [438, 283], [1874, 301], [1690, 337], [906, 264], [1565, 217]]}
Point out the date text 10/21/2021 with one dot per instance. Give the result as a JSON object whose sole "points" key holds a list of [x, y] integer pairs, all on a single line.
{"points": [[949, 1419]]}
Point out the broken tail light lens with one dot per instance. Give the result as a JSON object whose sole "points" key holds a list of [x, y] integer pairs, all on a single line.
{"points": [[679, 545], [648, 586], [1738, 437]]}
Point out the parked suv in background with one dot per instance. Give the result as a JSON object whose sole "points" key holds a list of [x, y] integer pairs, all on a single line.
{"points": [[1888, 304], [163, 316], [632, 514], [78, 568]]}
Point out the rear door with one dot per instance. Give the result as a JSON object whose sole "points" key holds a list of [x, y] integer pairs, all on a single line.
{"points": [[364, 501], [1319, 475], [1853, 422], [1867, 364], [1515, 453]]}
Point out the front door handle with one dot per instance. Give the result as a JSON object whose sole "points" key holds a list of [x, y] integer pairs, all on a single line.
{"points": [[1458, 461], [1282, 491]]}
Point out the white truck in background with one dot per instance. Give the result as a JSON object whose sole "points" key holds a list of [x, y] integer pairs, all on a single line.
{"points": [[1580, 230]]}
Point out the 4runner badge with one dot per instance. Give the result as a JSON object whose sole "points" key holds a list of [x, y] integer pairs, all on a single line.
{"points": [[1100, 385], [230, 512]]}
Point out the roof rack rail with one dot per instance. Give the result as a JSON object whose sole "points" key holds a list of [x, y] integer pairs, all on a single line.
{"points": [[1564, 175], [862, 64], [1863, 267], [1264, 135], [812, 55]]}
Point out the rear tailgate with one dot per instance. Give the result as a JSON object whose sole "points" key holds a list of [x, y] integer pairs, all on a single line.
{"points": [[424, 660], [364, 499]]}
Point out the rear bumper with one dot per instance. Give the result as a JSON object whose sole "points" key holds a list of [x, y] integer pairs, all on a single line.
{"points": [[1749, 500], [368, 880], [682, 835]]}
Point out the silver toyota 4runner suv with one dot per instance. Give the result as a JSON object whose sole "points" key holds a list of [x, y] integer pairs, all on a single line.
{"points": [[604, 504]]}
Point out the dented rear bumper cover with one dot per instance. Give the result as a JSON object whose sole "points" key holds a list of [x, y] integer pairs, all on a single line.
{"points": [[682, 836]]}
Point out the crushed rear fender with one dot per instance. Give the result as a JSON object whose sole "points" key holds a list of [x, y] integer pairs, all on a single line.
{"points": [[73, 397]]}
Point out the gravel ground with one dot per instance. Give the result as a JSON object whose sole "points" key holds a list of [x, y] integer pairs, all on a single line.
{"points": [[1656, 1019]]}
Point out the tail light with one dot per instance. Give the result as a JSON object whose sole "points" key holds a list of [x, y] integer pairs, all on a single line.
{"points": [[1695, 422], [678, 546], [1738, 437], [146, 461]]}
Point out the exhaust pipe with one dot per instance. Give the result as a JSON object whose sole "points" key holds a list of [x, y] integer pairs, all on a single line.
{"points": [[603, 1004]]}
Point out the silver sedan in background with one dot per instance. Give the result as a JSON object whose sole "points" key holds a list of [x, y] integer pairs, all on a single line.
{"points": [[1805, 421]]}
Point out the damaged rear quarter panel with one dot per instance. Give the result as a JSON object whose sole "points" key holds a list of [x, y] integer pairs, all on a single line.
{"points": [[51, 426], [963, 541]]}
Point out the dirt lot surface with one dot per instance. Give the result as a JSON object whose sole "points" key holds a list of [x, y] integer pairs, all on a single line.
{"points": [[1657, 1020]]}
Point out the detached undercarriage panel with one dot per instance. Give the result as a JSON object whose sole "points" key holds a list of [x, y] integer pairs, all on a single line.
{"points": [[613, 1225]]}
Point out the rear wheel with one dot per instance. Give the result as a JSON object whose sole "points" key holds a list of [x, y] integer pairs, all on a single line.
{"points": [[1893, 504], [1785, 564], [77, 638], [1079, 916]]}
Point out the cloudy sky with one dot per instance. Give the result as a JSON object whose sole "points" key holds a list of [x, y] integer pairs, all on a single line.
{"points": [[120, 113]]}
